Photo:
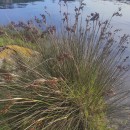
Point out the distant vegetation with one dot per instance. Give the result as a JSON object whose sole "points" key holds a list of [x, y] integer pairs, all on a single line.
{"points": [[4, 4], [16, 1]]}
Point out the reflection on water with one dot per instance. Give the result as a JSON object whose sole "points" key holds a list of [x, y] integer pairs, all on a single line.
{"points": [[121, 1], [16, 1], [10, 4]]}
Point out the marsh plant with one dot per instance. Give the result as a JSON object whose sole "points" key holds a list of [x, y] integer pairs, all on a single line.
{"points": [[77, 83]]}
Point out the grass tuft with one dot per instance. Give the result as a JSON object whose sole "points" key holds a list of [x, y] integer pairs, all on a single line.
{"points": [[77, 82]]}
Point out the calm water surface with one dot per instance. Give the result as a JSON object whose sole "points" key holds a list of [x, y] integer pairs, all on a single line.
{"points": [[16, 10]]}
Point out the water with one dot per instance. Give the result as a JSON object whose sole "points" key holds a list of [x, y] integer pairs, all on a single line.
{"points": [[23, 10]]}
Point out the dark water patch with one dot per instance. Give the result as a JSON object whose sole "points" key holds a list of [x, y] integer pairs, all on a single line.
{"points": [[11, 4]]}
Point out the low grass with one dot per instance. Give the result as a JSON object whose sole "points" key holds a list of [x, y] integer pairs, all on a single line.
{"points": [[8, 40], [76, 83]]}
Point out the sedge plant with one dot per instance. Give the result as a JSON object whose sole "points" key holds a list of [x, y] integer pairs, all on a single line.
{"points": [[77, 82]]}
